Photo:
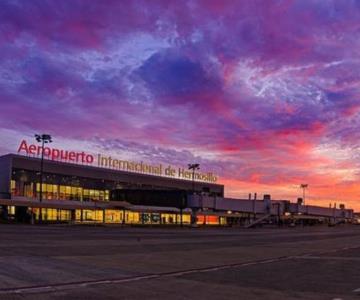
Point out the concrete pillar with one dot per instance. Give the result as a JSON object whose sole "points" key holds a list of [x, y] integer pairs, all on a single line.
{"points": [[123, 217], [73, 216], [193, 216]]}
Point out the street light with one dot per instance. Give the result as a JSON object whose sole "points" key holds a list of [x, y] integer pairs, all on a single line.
{"points": [[193, 167], [43, 139], [304, 186]]}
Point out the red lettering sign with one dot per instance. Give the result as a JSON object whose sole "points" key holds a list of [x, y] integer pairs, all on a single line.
{"points": [[55, 154], [23, 146]]}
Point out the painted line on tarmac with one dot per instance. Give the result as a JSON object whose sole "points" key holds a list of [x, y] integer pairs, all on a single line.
{"points": [[71, 285], [81, 284]]}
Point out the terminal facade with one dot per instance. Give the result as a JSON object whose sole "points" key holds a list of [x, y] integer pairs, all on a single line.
{"points": [[84, 193]]}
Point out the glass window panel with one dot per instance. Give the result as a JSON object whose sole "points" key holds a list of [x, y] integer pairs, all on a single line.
{"points": [[133, 217], [28, 190], [51, 214], [92, 194], [86, 193], [79, 194], [62, 192], [73, 190], [68, 190], [55, 191], [112, 216], [78, 215], [98, 215], [11, 210], [65, 215], [88, 215], [49, 188], [186, 218]]}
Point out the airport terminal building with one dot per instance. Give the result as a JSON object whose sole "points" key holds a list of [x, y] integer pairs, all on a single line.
{"points": [[79, 187], [85, 193]]}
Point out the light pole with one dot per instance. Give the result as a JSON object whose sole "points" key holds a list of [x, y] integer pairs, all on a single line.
{"points": [[193, 167], [43, 139], [304, 186]]}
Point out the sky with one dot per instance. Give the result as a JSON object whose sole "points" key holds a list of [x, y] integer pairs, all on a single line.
{"points": [[263, 93]]}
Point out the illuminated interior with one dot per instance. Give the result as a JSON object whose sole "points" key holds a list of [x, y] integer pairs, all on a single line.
{"points": [[113, 216], [56, 187], [59, 192]]}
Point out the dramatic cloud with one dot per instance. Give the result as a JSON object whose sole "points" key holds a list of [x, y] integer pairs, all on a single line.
{"points": [[265, 93]]}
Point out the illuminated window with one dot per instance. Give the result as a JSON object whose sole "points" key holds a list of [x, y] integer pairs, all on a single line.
{"points": [[73, 193], [62, 192], [209, 220], [113, 216], [79, 192], [28, 190], [11, 210], [78, 215], [49, 188], [132, 217], [64, 215], [13, 187], [186, 218], [168, 218], [97, 195], [91, 194], [55, 191], [93, 215], [222, 220], [67, 192], [49, 214]]}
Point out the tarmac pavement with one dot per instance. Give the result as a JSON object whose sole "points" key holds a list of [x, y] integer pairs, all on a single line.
{"points": [[85, 262]]}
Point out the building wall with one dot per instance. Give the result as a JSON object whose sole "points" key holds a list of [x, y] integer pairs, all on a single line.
{"points": [[276, 207], [99, 178], [5, 175]]}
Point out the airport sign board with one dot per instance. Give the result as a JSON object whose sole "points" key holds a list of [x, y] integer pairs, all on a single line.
{"points": [[105, 161]]}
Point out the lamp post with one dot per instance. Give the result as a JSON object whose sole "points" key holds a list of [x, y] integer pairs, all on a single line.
{"points": [[43, 139], [193, 167], [304, 186]]}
